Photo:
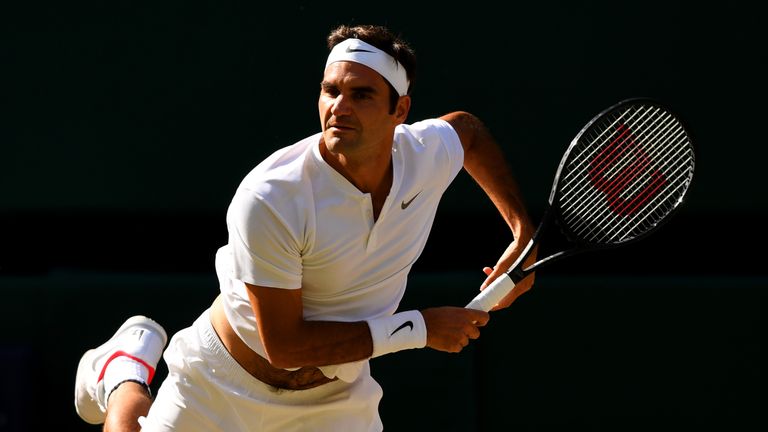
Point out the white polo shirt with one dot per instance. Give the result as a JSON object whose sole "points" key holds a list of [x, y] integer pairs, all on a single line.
{"points": [[295, 222]]}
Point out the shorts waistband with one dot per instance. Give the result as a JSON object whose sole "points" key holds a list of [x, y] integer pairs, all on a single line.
{"points": [[212, 342]]}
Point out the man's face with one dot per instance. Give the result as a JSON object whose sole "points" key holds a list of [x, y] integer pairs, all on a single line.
{"points": [[354, 109]]}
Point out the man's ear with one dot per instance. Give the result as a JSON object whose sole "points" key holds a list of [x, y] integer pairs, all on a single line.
{"points": [[402, 109]]}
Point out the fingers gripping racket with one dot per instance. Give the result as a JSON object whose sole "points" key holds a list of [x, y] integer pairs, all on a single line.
{"points": [[621, 178]]}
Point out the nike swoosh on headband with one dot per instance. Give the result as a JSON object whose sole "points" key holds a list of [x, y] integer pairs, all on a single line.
{"points": [[350, 49]]}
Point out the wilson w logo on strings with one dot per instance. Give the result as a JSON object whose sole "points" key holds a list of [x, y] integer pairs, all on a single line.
{"points": [[623, 167]]}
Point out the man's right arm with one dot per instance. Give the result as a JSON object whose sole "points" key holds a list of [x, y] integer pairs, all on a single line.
{"points": [[291, 341]]}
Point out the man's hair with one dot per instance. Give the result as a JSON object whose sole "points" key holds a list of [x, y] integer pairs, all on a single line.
{"points": [[383, 39]]}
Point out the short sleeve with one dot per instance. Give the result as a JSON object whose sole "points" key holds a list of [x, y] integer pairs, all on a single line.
{"points": [[265, 249], [441, 142], [452, 144]]}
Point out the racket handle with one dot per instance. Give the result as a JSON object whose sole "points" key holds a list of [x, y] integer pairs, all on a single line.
{"points": [[492, 294]]}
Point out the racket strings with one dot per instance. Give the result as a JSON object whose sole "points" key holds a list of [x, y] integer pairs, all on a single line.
{"points": [[608, 219], [634, 165], [641, 153], [599, 162], [613, 221], [640, 222], [584, 155], [644, 222], [630, 170]]}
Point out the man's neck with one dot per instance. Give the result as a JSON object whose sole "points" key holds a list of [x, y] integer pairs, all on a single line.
{"points": [[370, 174]]}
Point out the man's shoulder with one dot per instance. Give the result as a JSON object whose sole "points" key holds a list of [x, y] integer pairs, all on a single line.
{"points": [[420, 135], [428, 128], [285, 163], [422, 125], [282, 173]]}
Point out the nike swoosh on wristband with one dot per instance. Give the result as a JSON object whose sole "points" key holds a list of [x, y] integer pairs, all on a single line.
{"points": [[402, 326], [350, 49], [404, 205]]}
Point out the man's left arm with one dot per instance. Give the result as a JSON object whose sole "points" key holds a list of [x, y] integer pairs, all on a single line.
{"points": [[486, 163]]}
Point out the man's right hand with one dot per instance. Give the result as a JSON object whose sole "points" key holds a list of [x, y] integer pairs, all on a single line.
{"points": [[450, 328]]}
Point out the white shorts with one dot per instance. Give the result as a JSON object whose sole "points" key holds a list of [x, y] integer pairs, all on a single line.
{"points": [[207, 390]]}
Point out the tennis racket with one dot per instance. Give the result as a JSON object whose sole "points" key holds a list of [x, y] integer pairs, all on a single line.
{"points": [[621, 178]]}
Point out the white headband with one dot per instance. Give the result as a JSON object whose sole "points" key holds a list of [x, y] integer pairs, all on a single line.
{"points": [[357, 51]]}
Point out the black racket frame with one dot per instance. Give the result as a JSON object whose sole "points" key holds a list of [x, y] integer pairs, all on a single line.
{"points": [[552, 213]]}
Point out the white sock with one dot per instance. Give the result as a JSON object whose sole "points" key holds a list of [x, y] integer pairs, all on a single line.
{"points": [[139, 350], [121, 369]]}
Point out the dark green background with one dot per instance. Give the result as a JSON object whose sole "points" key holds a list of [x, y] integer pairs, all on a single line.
{"points": [[126, 128]]}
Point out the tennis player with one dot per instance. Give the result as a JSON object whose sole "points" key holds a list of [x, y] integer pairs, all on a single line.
{"points": [[322, 235]]}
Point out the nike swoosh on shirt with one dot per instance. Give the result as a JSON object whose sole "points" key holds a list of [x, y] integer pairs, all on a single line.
{"points": [[404, 205], [402, 326]]}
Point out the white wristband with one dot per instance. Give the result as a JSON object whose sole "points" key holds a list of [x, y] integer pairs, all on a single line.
{"points": [[404, 330]]}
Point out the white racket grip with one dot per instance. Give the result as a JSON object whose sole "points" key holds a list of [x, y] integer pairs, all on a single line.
{"points": [[492, 294]]}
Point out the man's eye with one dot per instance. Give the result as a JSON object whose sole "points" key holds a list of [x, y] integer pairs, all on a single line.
{"points": [[329, 90]]}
